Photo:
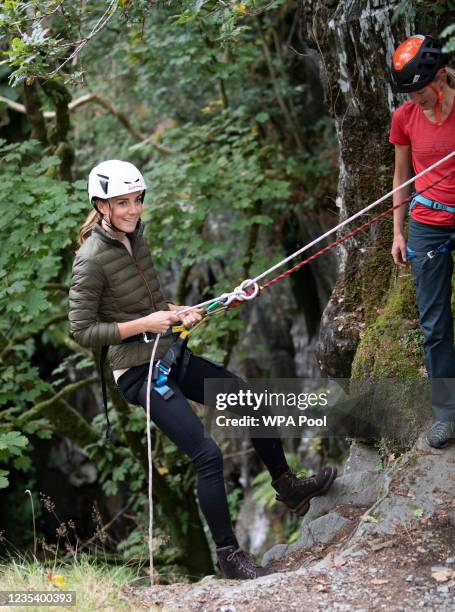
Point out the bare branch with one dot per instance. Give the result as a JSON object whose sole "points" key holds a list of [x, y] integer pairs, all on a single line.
{"points": [[41, 407], [19, 108], [108, 13], [106, 104]]}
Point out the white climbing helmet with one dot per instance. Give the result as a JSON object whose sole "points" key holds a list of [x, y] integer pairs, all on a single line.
{"points": [[114, 178]]}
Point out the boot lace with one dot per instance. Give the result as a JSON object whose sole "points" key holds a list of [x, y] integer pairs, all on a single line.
{"points": [[244, 560], [440, 431], [300, 478]]}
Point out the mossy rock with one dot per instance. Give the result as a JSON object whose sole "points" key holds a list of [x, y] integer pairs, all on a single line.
{"points": [[391, 353], [392, 346]]}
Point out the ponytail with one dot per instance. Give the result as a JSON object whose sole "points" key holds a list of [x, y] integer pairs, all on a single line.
{"points": [[86, 228]]}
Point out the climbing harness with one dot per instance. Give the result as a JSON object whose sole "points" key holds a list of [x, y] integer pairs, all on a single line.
{"points": [[445, 247], [420, 199], [177, 352]]}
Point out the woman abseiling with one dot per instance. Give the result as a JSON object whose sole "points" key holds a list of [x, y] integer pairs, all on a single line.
{"points": [[116, 295], [423, 131]]}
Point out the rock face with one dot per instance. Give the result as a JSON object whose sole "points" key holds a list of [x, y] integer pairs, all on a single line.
{"points": [[357, 488], [356, 40], [421, 482], [362, 458], [281, 328], [361, 571], [414, 487]]}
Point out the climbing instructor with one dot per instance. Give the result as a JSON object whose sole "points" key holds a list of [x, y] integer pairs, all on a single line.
{"points": [[116, 300], [423, 132]]}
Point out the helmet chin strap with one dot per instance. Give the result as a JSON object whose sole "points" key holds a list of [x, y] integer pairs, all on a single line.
{"points": [[108, 221], [437, 107]]}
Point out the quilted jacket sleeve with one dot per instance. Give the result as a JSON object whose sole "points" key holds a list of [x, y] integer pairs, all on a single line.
{"points": [[87, 286]]}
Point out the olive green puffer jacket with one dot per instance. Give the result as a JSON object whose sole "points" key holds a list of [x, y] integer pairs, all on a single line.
{"points": [[109, 286]]}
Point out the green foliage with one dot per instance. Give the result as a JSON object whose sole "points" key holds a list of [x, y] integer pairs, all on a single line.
{"points": [[33, 49], [12, 444], [425, 10], [448, 35], [116, 463], [39, 217], [118, 468], [234, 497], [37, 225], [380, 353], [217, 175], [412, 342], [37, 230], [216, 94], [96, 583], [405, 9]]}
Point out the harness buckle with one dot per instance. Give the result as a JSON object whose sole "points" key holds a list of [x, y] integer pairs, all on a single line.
{"points": [[163, 367], [160, 374], [432, 254], [145, 336]]}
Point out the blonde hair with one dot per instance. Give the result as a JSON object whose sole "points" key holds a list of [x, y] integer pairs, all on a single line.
{"points": [[86, 228]]}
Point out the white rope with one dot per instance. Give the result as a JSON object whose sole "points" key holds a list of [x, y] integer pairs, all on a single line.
{"points": [[357, 214], [149, 455], [240, 293]]}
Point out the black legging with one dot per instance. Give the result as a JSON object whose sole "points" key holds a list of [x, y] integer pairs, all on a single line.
{"points": [[176, 418]]}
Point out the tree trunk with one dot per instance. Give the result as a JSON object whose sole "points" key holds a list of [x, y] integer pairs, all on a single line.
{"points": [[356, 40]]}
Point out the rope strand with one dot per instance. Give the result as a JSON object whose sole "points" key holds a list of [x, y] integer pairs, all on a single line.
{"points": [[349, 235], [251, 282], [149, 457]]}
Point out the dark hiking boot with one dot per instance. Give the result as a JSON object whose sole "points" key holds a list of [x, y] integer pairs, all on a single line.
{"points": [[297, 492], [237, 564], [440, 433]]}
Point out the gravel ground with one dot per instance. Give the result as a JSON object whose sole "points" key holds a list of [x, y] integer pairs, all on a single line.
{"points": [[414, 569]]}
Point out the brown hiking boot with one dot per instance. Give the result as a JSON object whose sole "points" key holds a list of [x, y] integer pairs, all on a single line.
{"points": [[297, 492], [237, 564]]}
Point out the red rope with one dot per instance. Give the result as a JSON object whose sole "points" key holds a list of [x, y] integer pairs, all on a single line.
{"points": [[340, 240], [331, 246], [349, 234]]}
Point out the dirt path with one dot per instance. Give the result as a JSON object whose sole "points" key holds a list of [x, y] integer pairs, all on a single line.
{"points": [[379, 540], [412, 570]]}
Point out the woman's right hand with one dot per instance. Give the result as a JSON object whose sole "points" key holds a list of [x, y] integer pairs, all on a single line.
{"points": [[398, 251], [160, 321]]}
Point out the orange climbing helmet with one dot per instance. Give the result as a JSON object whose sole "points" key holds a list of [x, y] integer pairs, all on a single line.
{"points": [[416, 62]]}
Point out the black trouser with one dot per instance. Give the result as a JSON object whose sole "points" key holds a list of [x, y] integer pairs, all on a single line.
{"points": [[433, 282], [176, 418]]}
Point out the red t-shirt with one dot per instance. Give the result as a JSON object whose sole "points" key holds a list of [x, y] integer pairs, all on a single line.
{"points": [[429, 143]]}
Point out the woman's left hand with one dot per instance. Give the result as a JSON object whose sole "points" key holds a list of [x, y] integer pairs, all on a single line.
{"points": [[191, 317]]}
